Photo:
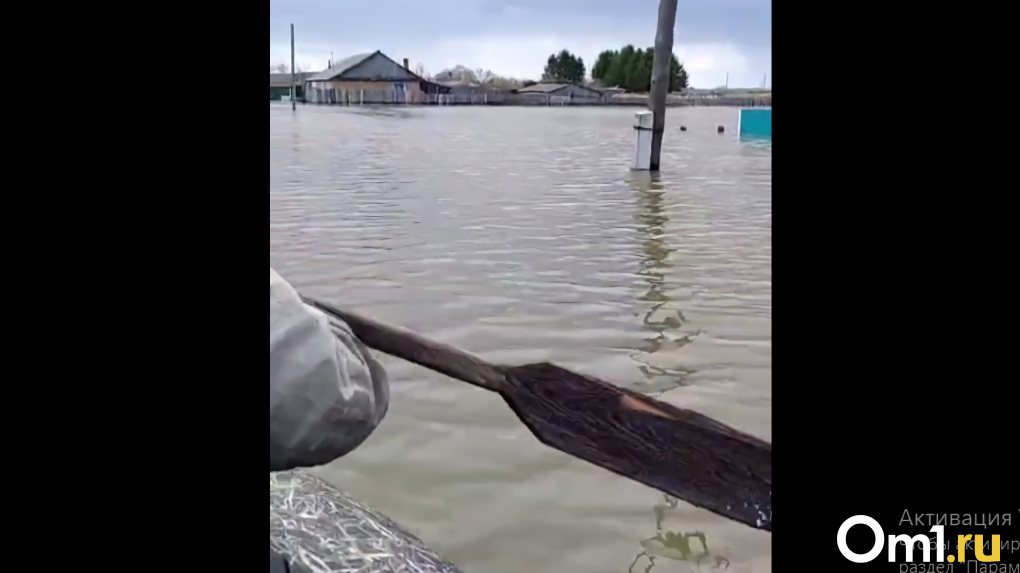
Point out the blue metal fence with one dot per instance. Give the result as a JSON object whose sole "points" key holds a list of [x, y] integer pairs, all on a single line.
{"points": [[756, 124]]}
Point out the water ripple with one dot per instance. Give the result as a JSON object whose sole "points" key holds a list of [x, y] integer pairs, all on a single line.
{"points": [[520, 234]]}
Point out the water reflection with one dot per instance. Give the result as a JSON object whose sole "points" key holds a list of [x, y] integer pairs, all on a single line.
{"points": [[666, 322], [675, 546], [757, 142], [663, 319]]}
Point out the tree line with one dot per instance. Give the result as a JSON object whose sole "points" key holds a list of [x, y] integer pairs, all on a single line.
{"points": [[565, 67], [628, 68]]}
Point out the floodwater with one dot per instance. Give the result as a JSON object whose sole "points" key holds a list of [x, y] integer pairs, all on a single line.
{"points": [[520, 235]]}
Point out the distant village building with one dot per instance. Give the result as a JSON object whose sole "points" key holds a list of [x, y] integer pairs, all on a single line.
{"points": [[742, 97], [557, 94], [609, 93], [466, 88], [471, 93], [476, 86], [280, 84]]}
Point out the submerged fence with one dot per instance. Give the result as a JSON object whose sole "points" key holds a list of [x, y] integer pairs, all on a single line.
{"points": [[278, 93], [694, 101], [376, 97], [395, 97]]}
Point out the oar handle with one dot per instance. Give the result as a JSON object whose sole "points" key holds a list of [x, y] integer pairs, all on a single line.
{"points": [[408, 346]]}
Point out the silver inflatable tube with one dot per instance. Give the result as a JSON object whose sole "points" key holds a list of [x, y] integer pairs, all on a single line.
{"points": [[323, 530]]}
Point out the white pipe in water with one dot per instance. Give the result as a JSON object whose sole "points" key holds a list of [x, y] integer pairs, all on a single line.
{"points": [[643, 124]]}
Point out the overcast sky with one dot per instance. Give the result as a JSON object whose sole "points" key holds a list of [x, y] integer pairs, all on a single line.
{"points": [[515, 37]]}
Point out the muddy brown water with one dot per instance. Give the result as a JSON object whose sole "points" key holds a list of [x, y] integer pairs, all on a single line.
{"points": [[520, 235]]}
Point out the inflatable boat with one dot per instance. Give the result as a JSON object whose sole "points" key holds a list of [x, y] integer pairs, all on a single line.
{"points": [[324, 530]]}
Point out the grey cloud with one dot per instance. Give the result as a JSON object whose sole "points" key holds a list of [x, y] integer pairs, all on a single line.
{"points": [[743, 22]]}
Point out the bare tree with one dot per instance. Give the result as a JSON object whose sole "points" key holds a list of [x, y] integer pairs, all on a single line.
{"points": [[505, 84], [466, 76]]}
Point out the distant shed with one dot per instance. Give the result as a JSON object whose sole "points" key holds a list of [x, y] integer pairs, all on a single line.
{"points": [[558, 94], [279, 85]]}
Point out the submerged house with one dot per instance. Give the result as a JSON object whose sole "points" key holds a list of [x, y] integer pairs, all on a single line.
{"points": [[279, 85], [371, 79], [557, 94], [471, 93]]}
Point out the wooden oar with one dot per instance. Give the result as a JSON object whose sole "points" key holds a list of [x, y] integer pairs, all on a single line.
{"points": [[676, 451]]}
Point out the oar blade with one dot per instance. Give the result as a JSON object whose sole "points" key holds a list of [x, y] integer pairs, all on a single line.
{"points": [[676, 451]]}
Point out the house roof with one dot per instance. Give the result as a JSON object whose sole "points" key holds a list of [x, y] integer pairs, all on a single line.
{"points": [[550, 89], [340, 68], [542, 88], [348, 65]]}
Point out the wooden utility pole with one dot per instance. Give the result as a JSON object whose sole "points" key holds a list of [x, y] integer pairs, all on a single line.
{"points": [[293, 73], [661, 76]]}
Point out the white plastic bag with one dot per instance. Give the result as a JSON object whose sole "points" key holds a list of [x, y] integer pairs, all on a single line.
{"points": [[326, 393]]}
